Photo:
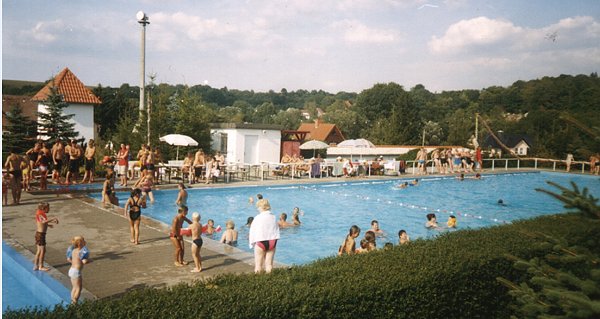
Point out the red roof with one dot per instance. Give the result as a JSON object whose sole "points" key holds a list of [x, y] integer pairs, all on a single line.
{"points": [[328, 133], [27, 106], [68, 85]]}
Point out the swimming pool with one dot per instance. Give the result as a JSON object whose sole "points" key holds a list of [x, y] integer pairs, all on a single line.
{"points": [[22, 287], [331, 208]]}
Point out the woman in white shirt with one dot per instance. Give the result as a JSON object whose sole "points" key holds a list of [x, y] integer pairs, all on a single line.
{"points": [[264, 232]]}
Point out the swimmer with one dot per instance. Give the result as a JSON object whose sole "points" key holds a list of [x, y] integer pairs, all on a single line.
{"points": [[451, 221], [182, 196], [461, 177], [404, 238], [403, 185], [211, 227], [229, 236], [282, 223], [501, 203], [251, 200], [249, 221], [349, 244], [477, 176], [415, 182], [375, 229], [431, 221]]}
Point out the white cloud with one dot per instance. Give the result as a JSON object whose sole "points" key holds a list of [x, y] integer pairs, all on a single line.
{"points": [[355, 31], [45, 31], [475, 32]]}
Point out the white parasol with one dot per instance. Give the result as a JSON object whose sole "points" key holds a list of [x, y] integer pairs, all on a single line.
{"points": [[357, 143], [314, 145], [178, 140]]}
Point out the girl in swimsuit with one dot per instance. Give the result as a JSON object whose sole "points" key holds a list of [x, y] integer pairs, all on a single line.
{"points": [[133, 206], [147, 182]]}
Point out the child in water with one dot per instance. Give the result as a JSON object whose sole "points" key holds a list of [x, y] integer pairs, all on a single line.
{"points": [[431, 221], [404, 238], [349, 244], [230, 236], [451, 221], [182, 196]]}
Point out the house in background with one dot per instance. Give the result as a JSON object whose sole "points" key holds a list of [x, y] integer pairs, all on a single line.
{"points": [[247, 143], [521, 144], [81, 102], [27, 107], [328, 133]]}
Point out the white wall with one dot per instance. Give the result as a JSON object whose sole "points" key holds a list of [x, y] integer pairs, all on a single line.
{"points": [[269, 144], [83, 119]]}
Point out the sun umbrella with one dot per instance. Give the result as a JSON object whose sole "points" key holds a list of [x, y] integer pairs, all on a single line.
{"points": [[314, 145], [357, 143], [178, 140]]}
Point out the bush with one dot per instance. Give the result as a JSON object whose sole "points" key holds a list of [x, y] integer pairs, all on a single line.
{"points": [[453, 276]]}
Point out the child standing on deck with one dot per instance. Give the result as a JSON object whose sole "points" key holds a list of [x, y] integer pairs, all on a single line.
{"points": [[82, 257], [176, 237], [42, 223], [196, 229]]}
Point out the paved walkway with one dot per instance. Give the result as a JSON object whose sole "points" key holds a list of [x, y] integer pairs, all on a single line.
{"points": [[120, 266]]}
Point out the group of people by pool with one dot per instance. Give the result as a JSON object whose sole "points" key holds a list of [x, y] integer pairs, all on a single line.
{"points": [[369, 244], [449, 161]]}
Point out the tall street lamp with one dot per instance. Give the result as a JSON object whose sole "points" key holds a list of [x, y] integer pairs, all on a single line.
{"points": [[143, 20]]}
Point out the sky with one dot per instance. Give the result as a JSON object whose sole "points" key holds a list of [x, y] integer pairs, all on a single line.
{"points": [[330, 45]]}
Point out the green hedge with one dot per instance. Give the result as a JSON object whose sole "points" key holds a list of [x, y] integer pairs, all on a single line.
{"points": [[453, 276]]}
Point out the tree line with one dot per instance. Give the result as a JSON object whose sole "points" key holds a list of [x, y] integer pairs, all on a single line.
{"points": [[386, 114]]}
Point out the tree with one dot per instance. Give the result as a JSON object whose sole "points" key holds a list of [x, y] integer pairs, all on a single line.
{"points": [[290, 119], [566, 283], [53, 121], [264, 114], [20, 131]]}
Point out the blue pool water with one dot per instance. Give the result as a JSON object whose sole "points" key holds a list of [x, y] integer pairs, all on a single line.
{"points": [[331, 208], [23, 287]]}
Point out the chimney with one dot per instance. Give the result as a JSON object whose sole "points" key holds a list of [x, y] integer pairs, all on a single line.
{"points": [[317, 122]]}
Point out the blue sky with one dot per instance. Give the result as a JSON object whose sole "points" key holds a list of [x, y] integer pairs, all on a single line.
{"points": [[342, 45]]}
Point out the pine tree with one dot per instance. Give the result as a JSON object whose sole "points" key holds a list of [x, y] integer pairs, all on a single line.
{"points": [[21, 130], [566, 283], [54, 122]]}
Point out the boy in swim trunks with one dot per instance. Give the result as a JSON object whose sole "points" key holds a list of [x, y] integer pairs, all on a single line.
{"points": [[176, 237], [42, 224], [196, 229], [82, 257]]}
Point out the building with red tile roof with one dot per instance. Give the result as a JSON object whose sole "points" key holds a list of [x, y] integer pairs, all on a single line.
{"points": [[81, 101], [328, 133], [27, 106]]}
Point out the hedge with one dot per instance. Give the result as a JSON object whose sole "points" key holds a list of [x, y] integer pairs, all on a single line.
{"points": [[451, 276]]}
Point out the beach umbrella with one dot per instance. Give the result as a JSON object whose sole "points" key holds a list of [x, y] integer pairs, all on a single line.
{"points": [[357, 143], [314, 145], [178, 140]]}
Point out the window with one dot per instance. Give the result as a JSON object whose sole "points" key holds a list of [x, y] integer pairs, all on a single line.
{"points": [[223, 143]]}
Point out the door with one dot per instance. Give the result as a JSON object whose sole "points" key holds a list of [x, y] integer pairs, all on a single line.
{"points": [[251, 149]]}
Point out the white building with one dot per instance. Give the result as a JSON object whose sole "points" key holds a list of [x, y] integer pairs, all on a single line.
{"points": [[81, 102], [247, 143]]}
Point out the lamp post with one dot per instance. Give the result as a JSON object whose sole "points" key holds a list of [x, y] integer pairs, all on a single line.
{"points": [[143, 20]]}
